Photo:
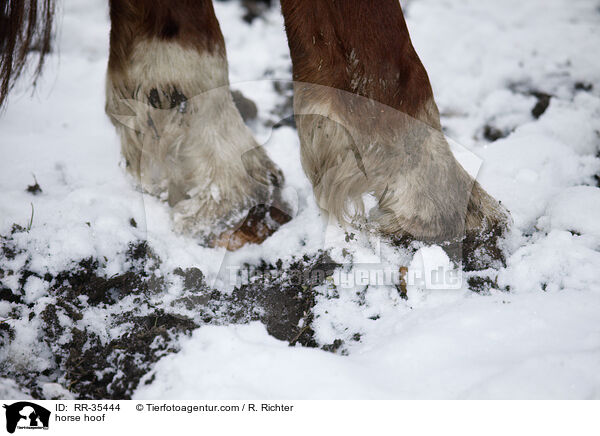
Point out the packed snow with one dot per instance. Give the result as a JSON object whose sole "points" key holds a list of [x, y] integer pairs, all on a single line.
{"points": [[518, 87]]}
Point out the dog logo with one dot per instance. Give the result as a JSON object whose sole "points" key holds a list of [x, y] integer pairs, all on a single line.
{"points": [[26, 415]]}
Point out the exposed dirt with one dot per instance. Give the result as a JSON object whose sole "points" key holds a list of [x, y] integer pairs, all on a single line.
{"points": [[477, 253], [543, 101], [109, 364], [492, 133], [283, 112], [34, 189], [255, 9]]}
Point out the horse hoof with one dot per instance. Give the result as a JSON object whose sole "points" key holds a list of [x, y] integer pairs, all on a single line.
{"points": [[260, 223]]}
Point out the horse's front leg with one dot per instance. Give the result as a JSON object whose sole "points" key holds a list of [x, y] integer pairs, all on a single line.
{"points": [[369, 126], [182, 136]]}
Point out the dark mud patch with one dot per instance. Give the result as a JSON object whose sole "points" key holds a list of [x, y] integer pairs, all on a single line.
{"points": [[254, 9], [283, 112], [280, 295], [112, 370], [34, 189], [477, 254], [543, 101], [583, 86], [597, 176], [131, 326], [492, 133], [542, 98]]}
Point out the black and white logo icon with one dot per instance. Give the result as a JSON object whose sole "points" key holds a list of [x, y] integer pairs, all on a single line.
{"points": [[26, 415]]}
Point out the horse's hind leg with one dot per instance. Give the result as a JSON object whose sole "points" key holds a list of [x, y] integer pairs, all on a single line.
{"points": [[368, 124], [181, 134]]}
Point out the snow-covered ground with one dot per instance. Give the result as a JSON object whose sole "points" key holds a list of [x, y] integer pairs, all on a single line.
{"points": [[535, 335]]}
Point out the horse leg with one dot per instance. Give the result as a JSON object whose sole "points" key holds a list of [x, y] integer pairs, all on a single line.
{"points": [[368, 125], [181, 135]]}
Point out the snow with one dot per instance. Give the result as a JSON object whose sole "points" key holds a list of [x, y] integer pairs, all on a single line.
{"points": [[575, 209], [9, 389], [496, 347], [539, 339]]}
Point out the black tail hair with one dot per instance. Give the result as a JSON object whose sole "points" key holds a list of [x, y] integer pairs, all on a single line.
{"points": [[25, 27]]}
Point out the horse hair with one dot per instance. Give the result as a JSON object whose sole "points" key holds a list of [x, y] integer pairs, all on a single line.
{"points": [[25, 27]]}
